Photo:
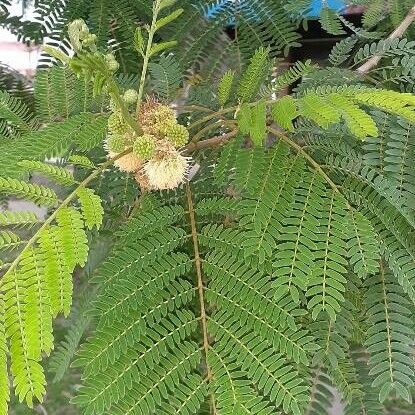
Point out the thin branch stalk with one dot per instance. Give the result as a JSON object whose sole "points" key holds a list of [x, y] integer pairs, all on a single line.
{"points": [[397, 33], [64, 203], [210, 142], [200, 287], [151, 33], [300, 150]]}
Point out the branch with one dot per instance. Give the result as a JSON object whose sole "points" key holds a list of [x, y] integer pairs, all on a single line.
{"points": [[200, 288], [307, 156], [147, 55], [397, 33], [210, 142]]}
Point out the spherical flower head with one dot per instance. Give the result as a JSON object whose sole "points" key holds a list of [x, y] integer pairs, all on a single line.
{"points": [[129, 163], [166, 170], [177, 134], [111, 62], [144, 146], [153, 116], [130, 96], [117, 124], [115, 143]]}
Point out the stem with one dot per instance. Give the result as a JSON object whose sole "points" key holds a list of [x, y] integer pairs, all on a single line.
{"points": [[216, 124], [189, 108], [210, 142], [64, 203], [200, 288], [397, 33], [211, 116], [151, 32], [224, 111]]}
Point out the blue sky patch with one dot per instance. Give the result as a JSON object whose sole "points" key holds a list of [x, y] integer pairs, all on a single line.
{"points": [[316, 6]]}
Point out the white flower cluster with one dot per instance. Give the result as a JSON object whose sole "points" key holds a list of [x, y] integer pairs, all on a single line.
{"points": [[155, 159]]}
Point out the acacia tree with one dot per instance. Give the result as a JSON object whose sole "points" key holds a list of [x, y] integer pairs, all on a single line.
{"points": [[262, 245]]}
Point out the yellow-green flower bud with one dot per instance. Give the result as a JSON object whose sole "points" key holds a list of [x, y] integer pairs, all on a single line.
{"points": [[111, 62], [115, 143], [144, 147], [177, 134], [130, 96], [117, 124]]}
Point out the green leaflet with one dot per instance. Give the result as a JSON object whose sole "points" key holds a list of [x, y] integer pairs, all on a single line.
{"points": [[252, 121], [330, 23], [84, 131], [37, 193], [296, 257], [389, 339], [56, 173], [327, 281], [168, 19], [254, 75], [91, 206], [225, 87], [14, 111], [18, 219], [160, 47], [9, 240], [364, 245], [4, 373], [21, 304], [166, 77], [284, 111]]}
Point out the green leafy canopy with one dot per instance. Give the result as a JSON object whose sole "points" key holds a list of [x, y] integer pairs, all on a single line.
{"points": [[276, 271]]}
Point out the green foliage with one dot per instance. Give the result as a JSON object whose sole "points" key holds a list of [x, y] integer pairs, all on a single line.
{"points": [[166, 77], [92, 210], [56, 173], [18, 219], [39, 194], [37, 285], [390, 337], [9, 240], [297, 71], [385, 48], [82, 131], [279, 204], [284, 112], [276, 269], [16, 115], [330, 22], [4, 375], [251, 120], [82, 161], [225, 87], [368, 402], [374, 13], [341, 50], [60, 94], [327, 106], [64, 352], [254, 75]]}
